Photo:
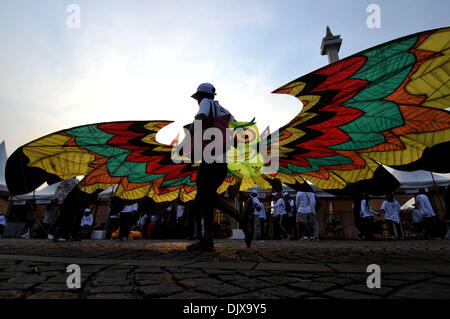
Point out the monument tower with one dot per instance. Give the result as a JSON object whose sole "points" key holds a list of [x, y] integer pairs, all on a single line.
{"points": [[331, 45]]}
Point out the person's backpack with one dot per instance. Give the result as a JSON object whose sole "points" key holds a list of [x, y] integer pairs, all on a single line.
{"points": [[218, 121]]}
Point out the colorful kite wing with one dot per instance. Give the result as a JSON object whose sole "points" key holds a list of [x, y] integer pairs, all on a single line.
{"points": [[386, 105], [117, 153]]}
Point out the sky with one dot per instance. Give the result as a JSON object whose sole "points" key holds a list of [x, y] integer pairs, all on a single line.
{"points": [[142, 60]]}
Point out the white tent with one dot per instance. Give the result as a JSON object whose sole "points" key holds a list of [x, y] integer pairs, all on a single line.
{"points": [[108, 193], [44, 194], [3, 158], [419, 179], [285, 188]]}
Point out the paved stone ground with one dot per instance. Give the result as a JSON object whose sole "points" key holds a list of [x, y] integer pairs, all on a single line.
{"points": [[36, 269]]}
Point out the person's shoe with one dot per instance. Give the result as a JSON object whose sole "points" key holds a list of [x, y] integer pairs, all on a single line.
{"points": [[201, 246], [208, 246], [50, 237], [194, 247], [289, 237], [60, 239], [305, 238]]}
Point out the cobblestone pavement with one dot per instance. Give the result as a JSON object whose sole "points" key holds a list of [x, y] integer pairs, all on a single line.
{"points": [[34, 268]]}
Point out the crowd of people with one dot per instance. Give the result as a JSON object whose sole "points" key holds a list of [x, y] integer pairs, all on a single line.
{"points": [[287, 217], [296, 218], [291, 219]]}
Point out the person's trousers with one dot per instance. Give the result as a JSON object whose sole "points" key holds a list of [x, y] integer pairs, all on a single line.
{"points": [[63, 225], [292, 228], [398, 228], [428, 225], [312, 222], [125, 224], [367, 227], [256, 228], [209, 178], [276, 227], [302, 224], [262, 223], [284, 225]]}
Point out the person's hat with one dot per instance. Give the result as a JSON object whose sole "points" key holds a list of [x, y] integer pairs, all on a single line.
{"points": [[204, 88], [87, 210], [285, 194], [255, 192]]}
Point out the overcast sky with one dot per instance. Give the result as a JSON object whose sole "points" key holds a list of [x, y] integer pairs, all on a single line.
{"points": [[141, 60]]}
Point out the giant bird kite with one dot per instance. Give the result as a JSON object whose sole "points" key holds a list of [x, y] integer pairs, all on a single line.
{"points": [[386, 105]]}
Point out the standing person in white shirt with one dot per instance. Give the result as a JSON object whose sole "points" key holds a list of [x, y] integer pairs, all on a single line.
{"points": [[262, 219], [391, 208], [285, 219], [280, 212], [312, 221], [303, 203], [425, 210], [367, 213], [86, 224], [292, 213], [180, 211], [2, 224], [88, 220], [276, 231], [258, 212]]}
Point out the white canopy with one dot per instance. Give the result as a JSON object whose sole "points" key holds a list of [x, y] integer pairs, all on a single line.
{"points": [[108, 193], [46, 193], [286, 188], [3, 158], [419, 179]]}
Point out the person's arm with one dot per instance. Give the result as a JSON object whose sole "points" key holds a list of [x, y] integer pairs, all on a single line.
{"points": [[202, 115], [277, 204], [297, 200], [383, 208]]}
